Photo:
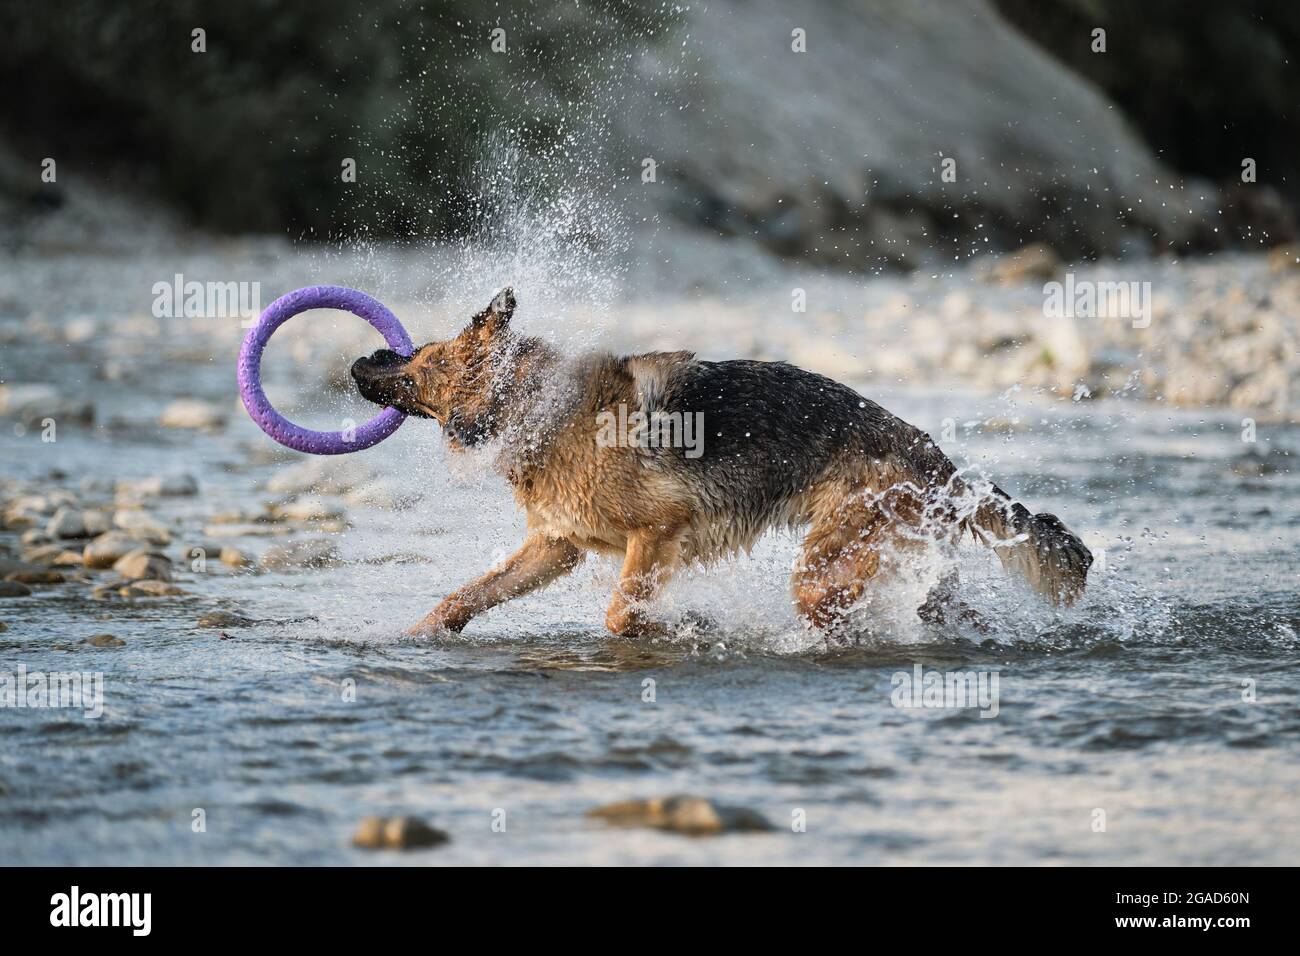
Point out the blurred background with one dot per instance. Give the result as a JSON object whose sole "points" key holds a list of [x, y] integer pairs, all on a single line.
{"points": [[832, 156]]}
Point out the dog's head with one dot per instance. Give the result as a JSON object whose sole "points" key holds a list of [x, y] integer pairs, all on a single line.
{"points": [[458, 382]]}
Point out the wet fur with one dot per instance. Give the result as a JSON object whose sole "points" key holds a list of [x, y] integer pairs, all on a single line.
{"points": [[783, 448]]}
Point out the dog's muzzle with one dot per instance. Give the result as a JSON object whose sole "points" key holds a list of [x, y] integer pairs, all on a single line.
{"points": [[382, 378]]}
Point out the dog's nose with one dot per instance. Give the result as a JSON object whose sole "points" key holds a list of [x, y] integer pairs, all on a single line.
{"points": [[384, 358], [382, 362]]}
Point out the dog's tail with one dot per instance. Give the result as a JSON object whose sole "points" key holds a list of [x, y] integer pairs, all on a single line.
{"points": [[1039, 547]]}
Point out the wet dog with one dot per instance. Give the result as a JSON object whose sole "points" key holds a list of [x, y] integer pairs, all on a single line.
{"points": [[664, 460]]}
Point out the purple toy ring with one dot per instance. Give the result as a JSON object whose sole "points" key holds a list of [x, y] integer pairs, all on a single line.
{"points": [[250, 362]]}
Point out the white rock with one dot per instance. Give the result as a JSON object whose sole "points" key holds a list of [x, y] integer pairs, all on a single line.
{"points": [[107, 549], [307, 508], [33, 404], [192, 413], [144, 564], [142, 525]]}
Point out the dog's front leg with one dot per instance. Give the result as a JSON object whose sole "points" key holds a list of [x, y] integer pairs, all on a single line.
{"points": [[537, 563], [648, 564]]}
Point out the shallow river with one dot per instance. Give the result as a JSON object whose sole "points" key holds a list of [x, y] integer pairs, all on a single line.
{"points": [[1158, 722]]}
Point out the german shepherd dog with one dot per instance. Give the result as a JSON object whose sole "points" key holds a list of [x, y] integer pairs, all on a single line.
{"points": [[783, 448]]}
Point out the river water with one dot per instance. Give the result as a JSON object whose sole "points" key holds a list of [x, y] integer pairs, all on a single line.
{"points": [[1156, 722]]}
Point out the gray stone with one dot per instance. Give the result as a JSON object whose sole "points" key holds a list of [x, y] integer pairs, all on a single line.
{"points": [[104, 640], [306, 508], [157, 486], [107, 549], [694, 816], [152, 588], [142, 525], [312, 553], [52, 555], [192, 413], [10, 589], [67, 523], [143, 564], [235, 558], [36, 577], [224, 619], [397, 833]]}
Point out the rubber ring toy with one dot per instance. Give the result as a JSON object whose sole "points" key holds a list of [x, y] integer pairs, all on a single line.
{"points": [[250, 369]]}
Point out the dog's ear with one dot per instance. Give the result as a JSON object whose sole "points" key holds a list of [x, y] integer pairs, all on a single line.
{"points": [[496, 316]]}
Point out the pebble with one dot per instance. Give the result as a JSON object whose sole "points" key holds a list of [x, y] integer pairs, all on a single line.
{"points": [[306, 508], [312, 553], [104, 640], [152, 588], [397, 833], [235, 558], [32, 404], [52, 555], [157, 486], [142, 525], [10, 589], [224, 619], [244, 530], [333, 476], [192, 413], [144, 564], [36, 577], [71, 523], [9, 566], [695, 816], [110, 547]]}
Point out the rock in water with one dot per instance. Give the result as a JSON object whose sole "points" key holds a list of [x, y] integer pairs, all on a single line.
{"points": [[109, 548], [224, 619], [51, 555], [396, 833], [192, 413], [10, 589], [235, 558], [312, 553], [695, 816], [105, 640], [66, 523], [142, 525], [150, 588], [36, 577], [157, 486], [143, 564], [306, 508]]}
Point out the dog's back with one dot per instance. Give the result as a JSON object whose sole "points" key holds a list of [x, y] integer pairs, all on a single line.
{"points": [[784, 447]]}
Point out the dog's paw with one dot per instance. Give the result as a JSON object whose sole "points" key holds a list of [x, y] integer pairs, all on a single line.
{"points": [[434, 626], [447, 619]]}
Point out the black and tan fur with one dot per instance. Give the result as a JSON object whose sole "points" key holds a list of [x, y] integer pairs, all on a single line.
{"points": [[783, 448]]}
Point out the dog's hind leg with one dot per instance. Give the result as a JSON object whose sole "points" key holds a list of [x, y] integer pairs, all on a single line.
{"points": [[841, 554], [537, 563], [649, 562]]}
